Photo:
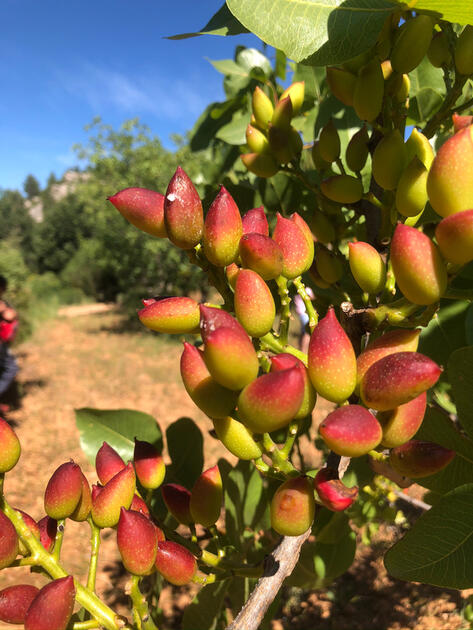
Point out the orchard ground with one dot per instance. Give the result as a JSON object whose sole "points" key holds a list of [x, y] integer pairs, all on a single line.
{"points": [[87, 357]]}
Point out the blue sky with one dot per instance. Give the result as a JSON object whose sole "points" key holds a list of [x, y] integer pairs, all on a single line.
{"points": [[62, 63]]}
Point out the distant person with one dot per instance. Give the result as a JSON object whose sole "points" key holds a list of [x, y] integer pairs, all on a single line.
{"points": [[8, 327]]}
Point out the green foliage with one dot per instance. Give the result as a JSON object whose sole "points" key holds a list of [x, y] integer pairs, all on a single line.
{"points": [[185, 446], [31, 186], [205, 610]]}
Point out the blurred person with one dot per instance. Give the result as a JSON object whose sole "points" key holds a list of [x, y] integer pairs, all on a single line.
{"points": [[8, 327]]}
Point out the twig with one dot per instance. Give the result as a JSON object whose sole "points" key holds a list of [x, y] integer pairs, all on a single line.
{"points": [[412, 501]]}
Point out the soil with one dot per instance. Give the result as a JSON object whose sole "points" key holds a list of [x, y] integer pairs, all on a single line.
{"points": [[87, 357]]}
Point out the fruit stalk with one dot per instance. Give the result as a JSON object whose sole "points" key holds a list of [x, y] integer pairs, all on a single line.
{"points": [[141, 616]]}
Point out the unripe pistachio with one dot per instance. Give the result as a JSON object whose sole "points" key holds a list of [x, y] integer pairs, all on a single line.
{"points": [[63, 491], [320, 164], [387, 69], [254, 304], [411, 193], [117, 493], [454, 236], [460, 122], [402, 423], [357, 150], [293, 240], [296, 93], [283, 113], [331, 360], [279, 141], [450, 181], [439, 51], [183, 213], [231, 358], [149, 465], [108, 463], [237, 438], [47, 532], [262, 108], [173, 315], [369, 91], [356, 63], [137, 542], [285, 361], [293, 507], [261, 254], [342, 84], [138, 505], [333, 493], [389, 160], [367, 267], [417, 265], [464, 51], [213, 399], [143, 208], [52, 607], [400, 340], [412, 43], [206, 497], [177, 500], [398, 378], [15, 601], [417, 459], [328, 265], [321, 227], [342, 188], [10, 447], [329, 142], [417, 144], [9, 544], [84, 506], [316, 278], [222, 230], [384, 41], [260, 164], [351, 431], [295, 141], [175, 563], [272, 400], [231, 271], [402, 87], [256, 140], [255, 221]]}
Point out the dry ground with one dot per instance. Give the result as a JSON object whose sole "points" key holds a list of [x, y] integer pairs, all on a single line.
{"points": [[92, 360]]}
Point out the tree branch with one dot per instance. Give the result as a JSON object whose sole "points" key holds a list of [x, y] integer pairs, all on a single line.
{"points": [[279, 565]]}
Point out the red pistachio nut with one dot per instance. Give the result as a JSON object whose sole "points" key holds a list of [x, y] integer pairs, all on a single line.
{"points": [[137, 542], [398, 378], [293, 507], [206, 497], [8, 541], [116, 493], [222, 230], [108, 463], [255, 221], [333, 493], [15, 601], [351, 431], [52, 607], [177, 500], [212, 318], [84, 506], [10, 448], [213, 399], [175, 563], [149, 465], [402, 423], [261, 254], [138, 505], [63, 491], [454, 236], [331, 360], [47, 532], [460, 122], [417, 265], [285, 361], [416, 459], [143, 208], [297, 251], [254, 303], [272, 400], [173, 315], [183, 213]]}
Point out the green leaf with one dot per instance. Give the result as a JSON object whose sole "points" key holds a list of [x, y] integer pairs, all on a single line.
{"points": [[222, 23], [318, 32], [229, 67], [445, 333], [214, 116], [185, 447], [427, 91], [439, 548], [234, 132], [457, 11], [205, 609], [281, 63], [469, 325], [117, 427], [460, 373]]}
